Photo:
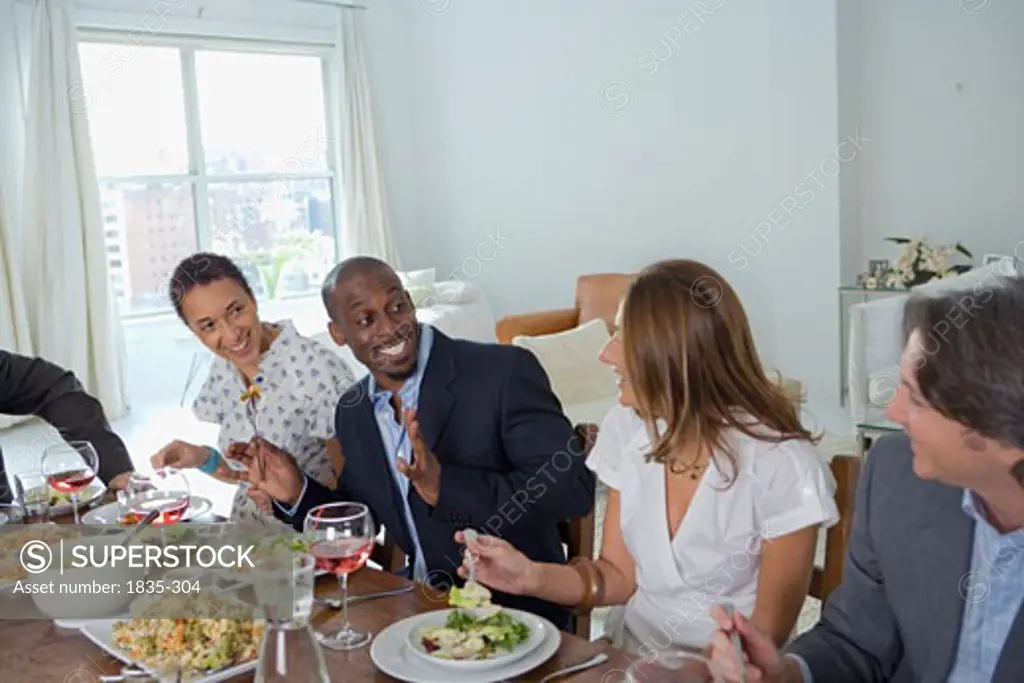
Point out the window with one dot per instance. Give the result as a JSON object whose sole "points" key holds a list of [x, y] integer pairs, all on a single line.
{"points": [[203, 147]]}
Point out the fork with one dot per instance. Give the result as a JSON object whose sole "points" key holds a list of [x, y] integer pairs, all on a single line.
{"points": [[736, 644], [250, 411], [335, 603], [589, 662], [128, 673]]}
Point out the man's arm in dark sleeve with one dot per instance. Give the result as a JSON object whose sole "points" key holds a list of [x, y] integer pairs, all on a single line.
{"points": [[316, 493], [33, 386], [857, 639], [550, 482]]}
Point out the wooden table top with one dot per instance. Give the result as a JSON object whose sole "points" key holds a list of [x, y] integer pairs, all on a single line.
{"points": [[38, 650]]}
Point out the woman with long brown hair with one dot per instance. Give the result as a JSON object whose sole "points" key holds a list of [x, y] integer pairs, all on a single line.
{"points": [[716, 492]]}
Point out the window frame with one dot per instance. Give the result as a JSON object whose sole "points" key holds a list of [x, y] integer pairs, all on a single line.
{"points": [[197, 179]]}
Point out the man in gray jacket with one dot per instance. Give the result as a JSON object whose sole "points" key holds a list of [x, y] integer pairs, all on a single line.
{"points": [[33, 386], [934, 575]]}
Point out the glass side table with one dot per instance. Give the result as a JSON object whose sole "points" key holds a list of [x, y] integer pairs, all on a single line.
{"points": [[871, 429]]}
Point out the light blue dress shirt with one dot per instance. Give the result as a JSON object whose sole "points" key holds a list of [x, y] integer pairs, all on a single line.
{"points": [[992, 599], [396, 441]]}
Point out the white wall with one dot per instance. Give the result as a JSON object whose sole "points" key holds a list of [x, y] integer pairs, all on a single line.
{"points": [[942, 96], [555, 122]]}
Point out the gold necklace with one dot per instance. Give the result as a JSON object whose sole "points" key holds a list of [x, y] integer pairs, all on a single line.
{"points": [[695, 470]]}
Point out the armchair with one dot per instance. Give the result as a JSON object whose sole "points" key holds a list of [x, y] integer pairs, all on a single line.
{"points": [[597, 297]]}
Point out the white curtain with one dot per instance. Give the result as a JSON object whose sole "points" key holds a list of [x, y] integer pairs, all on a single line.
{"points": [[71, 310], [14, 331], [366, 230]]}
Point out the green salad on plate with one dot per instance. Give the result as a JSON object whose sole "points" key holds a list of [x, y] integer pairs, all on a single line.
{"points": [[476, 629]]}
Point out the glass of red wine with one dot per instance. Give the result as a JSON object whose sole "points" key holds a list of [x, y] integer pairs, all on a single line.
{"points": [[341, 539], [70, 468], [167, 491]]}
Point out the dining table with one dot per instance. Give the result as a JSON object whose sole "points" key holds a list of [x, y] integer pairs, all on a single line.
{"points": [[37, 650]]}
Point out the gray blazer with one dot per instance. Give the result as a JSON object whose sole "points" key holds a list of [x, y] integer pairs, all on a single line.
{"points": [[896, 617]]}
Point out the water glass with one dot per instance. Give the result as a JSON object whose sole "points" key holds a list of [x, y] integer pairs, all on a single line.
{"points": [[11, 513], [33, 493], [290, 655], [283, 584], [671, 666], [290, 652]]}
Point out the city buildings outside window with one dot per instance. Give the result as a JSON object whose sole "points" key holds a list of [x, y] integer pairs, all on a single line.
{"points": [[199, 148]]}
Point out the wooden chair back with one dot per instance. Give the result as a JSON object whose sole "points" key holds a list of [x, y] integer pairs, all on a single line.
{"points": [[598, 296], [579, 534], [387, 555], [846, 470]]}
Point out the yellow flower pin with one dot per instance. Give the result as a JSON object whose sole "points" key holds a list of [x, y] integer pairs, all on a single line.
{"points": [[254, 391]]}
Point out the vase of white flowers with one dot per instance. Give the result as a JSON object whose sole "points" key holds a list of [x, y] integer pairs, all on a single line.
{"points": [[920, 263]]}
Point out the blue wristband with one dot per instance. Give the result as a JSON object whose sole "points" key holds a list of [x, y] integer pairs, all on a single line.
{"points": [[211, 464]]}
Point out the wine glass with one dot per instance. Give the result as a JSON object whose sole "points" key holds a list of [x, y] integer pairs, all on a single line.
{"points": [[69, 468], [671, 666], [342, 538], [167, 491]]}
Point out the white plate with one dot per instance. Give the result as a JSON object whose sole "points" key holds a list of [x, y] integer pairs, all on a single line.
{"points": [[109, 513], [88, 495], [393, 655], [101, 632]]}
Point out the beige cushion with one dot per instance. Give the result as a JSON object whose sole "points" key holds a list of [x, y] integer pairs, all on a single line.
{"points": [[570, 360], [592, 412]]}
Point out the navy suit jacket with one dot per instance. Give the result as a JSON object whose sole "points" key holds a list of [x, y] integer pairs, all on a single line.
{"points": [[511, 465]]}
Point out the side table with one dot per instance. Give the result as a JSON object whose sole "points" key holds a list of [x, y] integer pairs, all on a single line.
{"points": [[867, 432]]}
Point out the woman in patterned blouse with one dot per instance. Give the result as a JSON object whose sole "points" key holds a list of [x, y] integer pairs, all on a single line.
{"points": [[299, 382]]}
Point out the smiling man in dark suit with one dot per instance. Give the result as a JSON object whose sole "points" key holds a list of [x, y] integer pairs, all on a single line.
{"points": [[443, 434]]}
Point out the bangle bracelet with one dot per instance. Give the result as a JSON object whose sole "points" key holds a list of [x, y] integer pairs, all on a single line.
{"points": [[599, 592], [212, 463], [583, 606], [593, 584]]}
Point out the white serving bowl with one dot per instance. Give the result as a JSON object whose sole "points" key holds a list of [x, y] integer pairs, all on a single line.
{"points": [[83, 604]]}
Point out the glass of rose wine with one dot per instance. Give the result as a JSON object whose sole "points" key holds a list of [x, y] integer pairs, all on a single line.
{"points": [[70, 468], [167, 491], [342, 537]]}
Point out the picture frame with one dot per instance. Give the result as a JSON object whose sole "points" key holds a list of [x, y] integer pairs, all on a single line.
{"points": [[877, 268], [1007, 263]]}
